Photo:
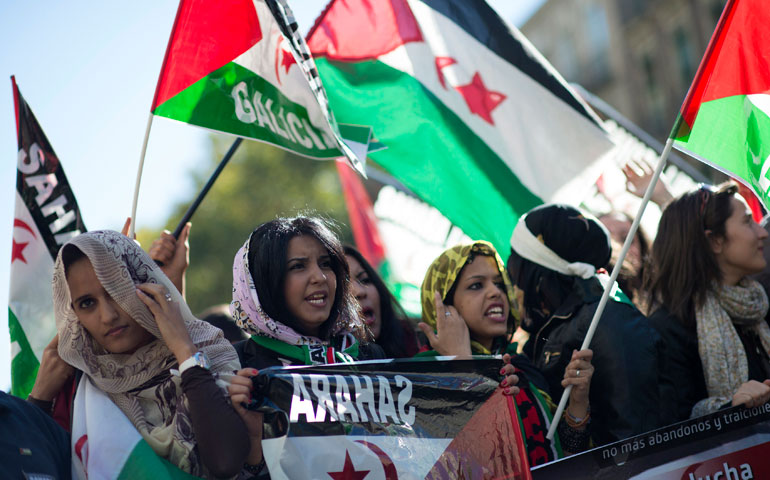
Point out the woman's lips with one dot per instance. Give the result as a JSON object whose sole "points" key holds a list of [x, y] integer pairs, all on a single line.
{"points": [[113, 332]]}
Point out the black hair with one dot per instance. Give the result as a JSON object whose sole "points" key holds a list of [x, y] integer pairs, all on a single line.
{"points": [[683, 265], [219, 316], [392, 335], [268, 250]]}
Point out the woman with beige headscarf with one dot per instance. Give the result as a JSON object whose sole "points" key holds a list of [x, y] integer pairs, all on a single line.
{"points": [[123, 323]]}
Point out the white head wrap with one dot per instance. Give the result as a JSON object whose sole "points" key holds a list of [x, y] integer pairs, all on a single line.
{"points": [[529, 247]]}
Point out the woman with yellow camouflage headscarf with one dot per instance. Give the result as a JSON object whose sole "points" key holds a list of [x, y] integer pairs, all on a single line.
{"points": [[469, 308]]}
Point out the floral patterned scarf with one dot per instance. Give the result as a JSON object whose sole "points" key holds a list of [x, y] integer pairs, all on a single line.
{"points": [[138, 383], [249, 315]]}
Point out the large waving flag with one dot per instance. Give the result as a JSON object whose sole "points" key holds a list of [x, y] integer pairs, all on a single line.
{"points": [[477, 123], [241, 67], [45, 217], [398, 419], [725, 119]]}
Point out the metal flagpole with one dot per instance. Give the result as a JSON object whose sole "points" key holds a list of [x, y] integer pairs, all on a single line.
{"points": [[614, 276], [131, 227]]}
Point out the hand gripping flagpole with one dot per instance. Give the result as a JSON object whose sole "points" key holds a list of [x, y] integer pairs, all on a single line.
{"points": [[613, 277], [131, 227]]}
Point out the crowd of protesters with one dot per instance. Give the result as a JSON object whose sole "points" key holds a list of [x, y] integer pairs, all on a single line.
{"points": [[686, 333]]}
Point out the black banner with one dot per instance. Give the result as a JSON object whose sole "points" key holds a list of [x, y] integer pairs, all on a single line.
{"points": [[41, 182], [729, 444], [422, 418]]}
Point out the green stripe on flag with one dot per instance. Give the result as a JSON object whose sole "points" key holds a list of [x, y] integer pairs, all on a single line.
{"points": [[145, 463], [24, 364], [236, 100], [733, 135], [430, 149]]}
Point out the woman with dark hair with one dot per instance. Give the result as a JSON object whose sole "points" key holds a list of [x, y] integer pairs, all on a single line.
{"points": [[468, 307], [292, 296], [707, 309], [122, 322], [631, 275], [381, 312], [556, 254]]}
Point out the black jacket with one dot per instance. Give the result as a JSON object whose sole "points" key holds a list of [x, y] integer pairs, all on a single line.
{"points": [[624, 394], [683, 365]]}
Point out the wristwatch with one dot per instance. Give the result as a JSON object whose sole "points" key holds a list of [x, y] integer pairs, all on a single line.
{"points": [[198, 359]]}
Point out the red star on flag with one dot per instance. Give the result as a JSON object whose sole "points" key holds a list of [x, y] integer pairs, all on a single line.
{"points": [[480, 100], [348, 472], [287, 61], [17, 251]]}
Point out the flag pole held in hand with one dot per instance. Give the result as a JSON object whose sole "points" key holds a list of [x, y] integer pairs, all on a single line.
{"points": [[613, 277]]}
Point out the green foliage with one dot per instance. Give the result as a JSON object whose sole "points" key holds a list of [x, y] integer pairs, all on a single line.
{"points": [[260, 183]]}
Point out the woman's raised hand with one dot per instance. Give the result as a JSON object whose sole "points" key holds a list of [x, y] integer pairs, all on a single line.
{"points": [[52, 374], [169, 319], [452, 336], [578, 374], [752, 394], [240, 395], [173, 255]]}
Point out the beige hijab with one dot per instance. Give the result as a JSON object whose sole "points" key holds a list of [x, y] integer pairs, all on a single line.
{"points": [[139, 383]]}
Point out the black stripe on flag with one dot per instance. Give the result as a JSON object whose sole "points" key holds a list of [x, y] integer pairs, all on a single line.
{"points": [[42, 185], [484, 24]]}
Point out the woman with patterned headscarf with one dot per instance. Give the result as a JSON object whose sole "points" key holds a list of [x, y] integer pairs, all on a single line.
{"points": [[557, 253], [468, 307], [122, 322], [292, 296]]}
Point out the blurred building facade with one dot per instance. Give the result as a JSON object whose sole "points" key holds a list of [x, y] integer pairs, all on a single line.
{"points": [[640, 56]]}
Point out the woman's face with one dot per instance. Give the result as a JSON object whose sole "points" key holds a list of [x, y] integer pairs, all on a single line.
{"points": [[740, 252], [310, 283], [367, 295], [100, 315], [481, 300]]}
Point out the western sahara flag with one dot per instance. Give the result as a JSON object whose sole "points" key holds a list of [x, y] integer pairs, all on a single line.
{"points": [[477, 123], [725, 119], [46, 216], [106, 445], [402, 419], [241, 67]]}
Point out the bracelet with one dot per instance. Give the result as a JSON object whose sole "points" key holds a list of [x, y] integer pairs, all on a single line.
{"points": [[573, 441], [576, 422], [255, 470]]}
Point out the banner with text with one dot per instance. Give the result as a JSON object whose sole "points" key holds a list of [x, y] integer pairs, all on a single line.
{"points": [[397, 419], [726, 445]]}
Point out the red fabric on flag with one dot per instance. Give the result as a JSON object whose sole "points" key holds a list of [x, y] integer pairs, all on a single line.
{"points": [[206, 35], [389, 24], [736, 61], [757, 212], [490, 442], [361, 213]]}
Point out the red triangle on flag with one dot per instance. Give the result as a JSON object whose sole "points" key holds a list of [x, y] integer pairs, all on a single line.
{"points": [[206, 35], [387, 25]]}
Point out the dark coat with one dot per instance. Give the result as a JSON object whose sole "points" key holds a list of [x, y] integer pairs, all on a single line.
{"points": [[682, 364], [624, 394]]}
